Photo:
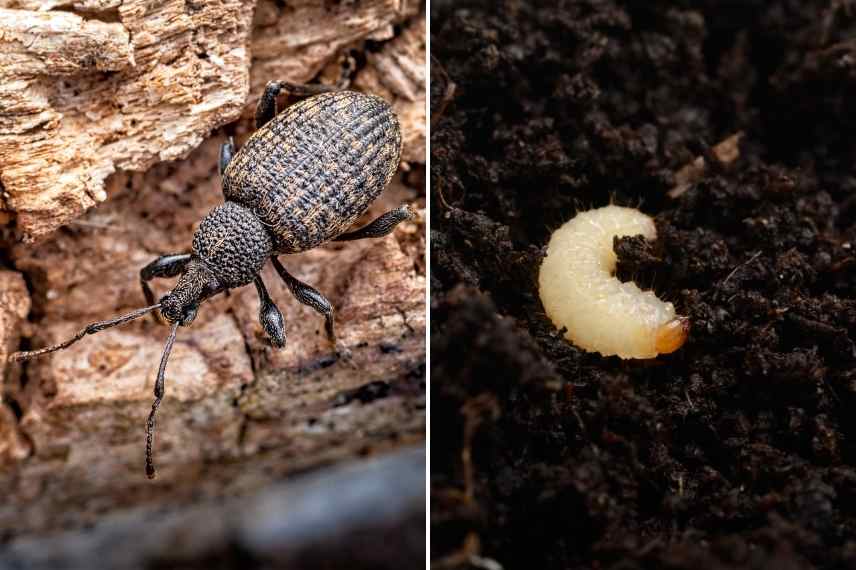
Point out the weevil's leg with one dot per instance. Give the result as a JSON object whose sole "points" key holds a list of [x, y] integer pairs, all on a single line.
{"points": [[309, 296], [269, 315], [266, 109], [159, 382], [90, 329], [227, 150], [169, 265], [380, 227]]}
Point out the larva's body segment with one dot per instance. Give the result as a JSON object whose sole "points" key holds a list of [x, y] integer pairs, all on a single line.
{"points": [[580, 292]]}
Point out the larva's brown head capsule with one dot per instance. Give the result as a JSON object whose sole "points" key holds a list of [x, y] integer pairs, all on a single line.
{"points": [[672, 335]]}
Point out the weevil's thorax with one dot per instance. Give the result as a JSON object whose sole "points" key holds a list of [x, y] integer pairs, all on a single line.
{"points": [[233, 244]]}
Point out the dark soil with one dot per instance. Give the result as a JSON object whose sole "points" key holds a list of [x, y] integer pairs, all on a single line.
{"points": [[737, 451]]}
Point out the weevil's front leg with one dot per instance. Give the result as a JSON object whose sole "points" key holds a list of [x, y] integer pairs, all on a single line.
{"points": [[266, 109], [227, 151], [380, 227], [309, 296], [269, 315], [170, 265]]}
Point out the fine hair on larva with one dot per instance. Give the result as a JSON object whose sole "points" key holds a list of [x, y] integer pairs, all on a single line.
{"points": [[580, 292], [587, 205]]}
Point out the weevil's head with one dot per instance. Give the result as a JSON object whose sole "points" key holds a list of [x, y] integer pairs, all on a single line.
{"points": [[229, 249], [196, 284]]}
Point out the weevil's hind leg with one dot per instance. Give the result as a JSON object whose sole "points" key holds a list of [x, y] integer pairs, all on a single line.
{"points": [[310, 297], [227, 151], [170, 265], [381, 226], [266, 109], [269, 315]]}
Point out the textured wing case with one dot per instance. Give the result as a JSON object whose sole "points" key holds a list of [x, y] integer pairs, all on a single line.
{"points": [[316, 167]]}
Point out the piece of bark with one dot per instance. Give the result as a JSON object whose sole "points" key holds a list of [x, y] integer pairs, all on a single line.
{"points": [[13, 446], [82, 98], [14, 306], [294, 41], [61, 43], [327, 32], [726, 152], [231, 399], [397, 73]]}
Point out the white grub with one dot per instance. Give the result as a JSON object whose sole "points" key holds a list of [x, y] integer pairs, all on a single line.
{"points": [[580, 292]]}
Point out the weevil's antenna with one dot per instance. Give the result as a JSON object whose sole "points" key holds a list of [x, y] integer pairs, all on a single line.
{"points": [[90, 329], [150, 424]]}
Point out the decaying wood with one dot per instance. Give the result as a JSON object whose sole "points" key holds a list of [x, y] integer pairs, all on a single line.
{"points": [[296, 40], [238, 414], [132, 82], [229, 395], [14, 306], [72, 114], [726, 152], [61, 43]]}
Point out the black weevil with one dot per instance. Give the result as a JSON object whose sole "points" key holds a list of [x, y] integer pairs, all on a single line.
{"points": [[302, 179]]}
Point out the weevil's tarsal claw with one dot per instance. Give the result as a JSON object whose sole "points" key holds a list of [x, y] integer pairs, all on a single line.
{"points": [[270, 317], [672, 335], [90, 329], [274, 325], [381, 226]]}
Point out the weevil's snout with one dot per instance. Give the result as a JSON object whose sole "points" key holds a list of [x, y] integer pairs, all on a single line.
{"points": [[175, 312], [194, 286]]}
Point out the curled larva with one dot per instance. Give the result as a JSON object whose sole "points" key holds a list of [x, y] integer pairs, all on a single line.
{"points": [[580, 292]]}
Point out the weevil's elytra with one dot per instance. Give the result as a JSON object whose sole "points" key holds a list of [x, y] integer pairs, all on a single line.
{"points": [[302, 179], [316, 167]]}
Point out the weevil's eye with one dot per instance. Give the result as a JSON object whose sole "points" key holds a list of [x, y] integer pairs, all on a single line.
{"points": [[211, 288], [188, 314]]}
